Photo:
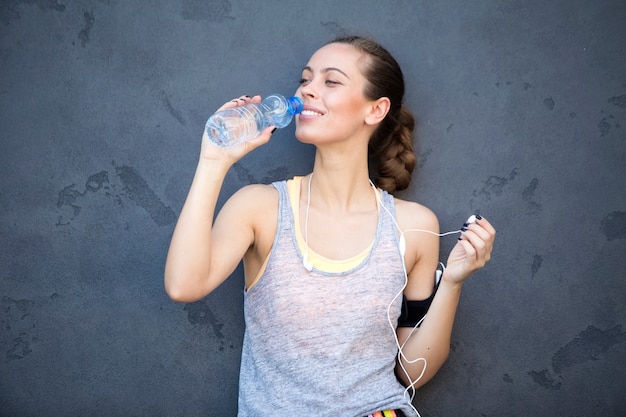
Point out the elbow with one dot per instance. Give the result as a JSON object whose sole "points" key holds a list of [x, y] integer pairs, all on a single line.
{"points": [[417, 376], [183, 283], [175, 294], [445, 354], [180, 296], [177, 291]]}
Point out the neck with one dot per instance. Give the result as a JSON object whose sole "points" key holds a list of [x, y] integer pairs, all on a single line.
{"points": [[340, 183]]}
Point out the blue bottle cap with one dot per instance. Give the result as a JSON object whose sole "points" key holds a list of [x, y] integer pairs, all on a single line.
{"points": [[295, 105]]}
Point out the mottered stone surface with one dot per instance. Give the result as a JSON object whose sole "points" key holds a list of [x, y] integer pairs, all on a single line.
{"points": [[521, 110]]}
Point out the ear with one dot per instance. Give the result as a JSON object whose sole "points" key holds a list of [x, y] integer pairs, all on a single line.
{"points": [[377, 111]]}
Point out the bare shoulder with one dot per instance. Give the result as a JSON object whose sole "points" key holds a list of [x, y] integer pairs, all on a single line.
{"points": [[260, 202], [414, 215], [250, 213], [255, 197], [422, 249], [249, 207]]}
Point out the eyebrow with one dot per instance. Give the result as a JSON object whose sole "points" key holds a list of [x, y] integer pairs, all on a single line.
{"points": [[307, 68]]}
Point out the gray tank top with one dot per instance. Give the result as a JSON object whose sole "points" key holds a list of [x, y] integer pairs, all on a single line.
{"points": [[319, 343]]}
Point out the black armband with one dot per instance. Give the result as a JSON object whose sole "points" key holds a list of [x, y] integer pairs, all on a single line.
{"points": [[413, 311]]}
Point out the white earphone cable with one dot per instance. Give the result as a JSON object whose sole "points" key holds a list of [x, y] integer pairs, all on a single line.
{"points": [[402, 358], [305, 261]]}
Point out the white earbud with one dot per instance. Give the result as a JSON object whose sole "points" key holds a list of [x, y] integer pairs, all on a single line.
{"points": [[402, 244], [307, 264], [471, 219]]}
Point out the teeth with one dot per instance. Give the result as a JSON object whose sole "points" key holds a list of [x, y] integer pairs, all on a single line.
{"points": [[310, 113]]}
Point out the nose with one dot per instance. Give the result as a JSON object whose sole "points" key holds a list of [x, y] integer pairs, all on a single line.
{"points": [[308, 90]]}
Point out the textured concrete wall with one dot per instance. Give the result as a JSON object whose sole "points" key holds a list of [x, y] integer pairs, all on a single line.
{"points": [[522, 109]]}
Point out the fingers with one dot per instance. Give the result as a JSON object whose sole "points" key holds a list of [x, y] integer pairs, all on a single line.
{"points": [[240, 101], [262, 139], [477, 240], [231, 154], [482, 222], [235, 102], [481, 228]]}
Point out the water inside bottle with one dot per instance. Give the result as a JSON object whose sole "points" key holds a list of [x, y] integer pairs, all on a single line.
{"points": [[232, 126], [231, 130]]}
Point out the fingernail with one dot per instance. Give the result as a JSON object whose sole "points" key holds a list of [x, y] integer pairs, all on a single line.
{"points": [[459, 238], [463, 229], [465, 224], [274, 130], [247, 96], [478, 217]]}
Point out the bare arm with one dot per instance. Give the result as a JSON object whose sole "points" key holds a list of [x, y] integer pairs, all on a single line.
{"points": [[201, 258], [432, 340]]}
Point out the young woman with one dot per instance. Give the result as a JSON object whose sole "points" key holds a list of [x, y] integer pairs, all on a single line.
{"points": [[329, 257]]}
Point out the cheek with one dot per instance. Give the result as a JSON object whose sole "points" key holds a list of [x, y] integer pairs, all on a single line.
{"points": [[348, 114], [352, 105]]}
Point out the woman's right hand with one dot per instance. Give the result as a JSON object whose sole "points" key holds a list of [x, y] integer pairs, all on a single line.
{"points": [[231, 154]]}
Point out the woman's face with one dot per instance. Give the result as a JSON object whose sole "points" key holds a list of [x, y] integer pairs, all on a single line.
{"points": [[332, 91]]}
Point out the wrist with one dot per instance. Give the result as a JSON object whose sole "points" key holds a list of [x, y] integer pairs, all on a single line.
{"points": [[450, 284], [213, 167]]}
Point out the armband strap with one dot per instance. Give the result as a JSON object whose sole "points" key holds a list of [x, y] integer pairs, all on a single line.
{"points": [[413, 311]]}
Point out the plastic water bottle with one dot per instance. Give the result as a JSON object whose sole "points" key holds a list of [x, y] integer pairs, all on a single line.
{"points": [[239, 124]]}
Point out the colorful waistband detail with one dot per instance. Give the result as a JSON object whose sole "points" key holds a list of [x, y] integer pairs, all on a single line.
{"points": [[385, 413]]}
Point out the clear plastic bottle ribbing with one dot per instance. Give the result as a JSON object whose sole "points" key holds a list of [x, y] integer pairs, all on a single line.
{"points": [[238, 124]]}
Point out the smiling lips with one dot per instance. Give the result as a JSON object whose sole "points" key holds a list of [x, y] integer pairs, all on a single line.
{"points": [[310, 112]]}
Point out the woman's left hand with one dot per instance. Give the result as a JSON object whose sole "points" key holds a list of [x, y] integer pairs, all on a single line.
{"points": [[472, 251]]}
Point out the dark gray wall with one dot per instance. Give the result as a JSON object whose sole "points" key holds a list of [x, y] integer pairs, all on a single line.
{"points": [[522, 109]]}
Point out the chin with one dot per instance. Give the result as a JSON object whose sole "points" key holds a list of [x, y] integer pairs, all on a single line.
{"points": [[305, 141], [304, 137]]}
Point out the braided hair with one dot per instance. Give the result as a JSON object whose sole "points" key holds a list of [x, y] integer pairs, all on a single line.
{"points": [[391, 145]]}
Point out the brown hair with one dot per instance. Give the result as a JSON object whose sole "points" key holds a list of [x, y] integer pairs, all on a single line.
{"points": [[392, 142]]}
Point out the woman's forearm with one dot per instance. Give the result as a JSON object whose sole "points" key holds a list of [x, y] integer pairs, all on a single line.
{"points": [[432, 340]]}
